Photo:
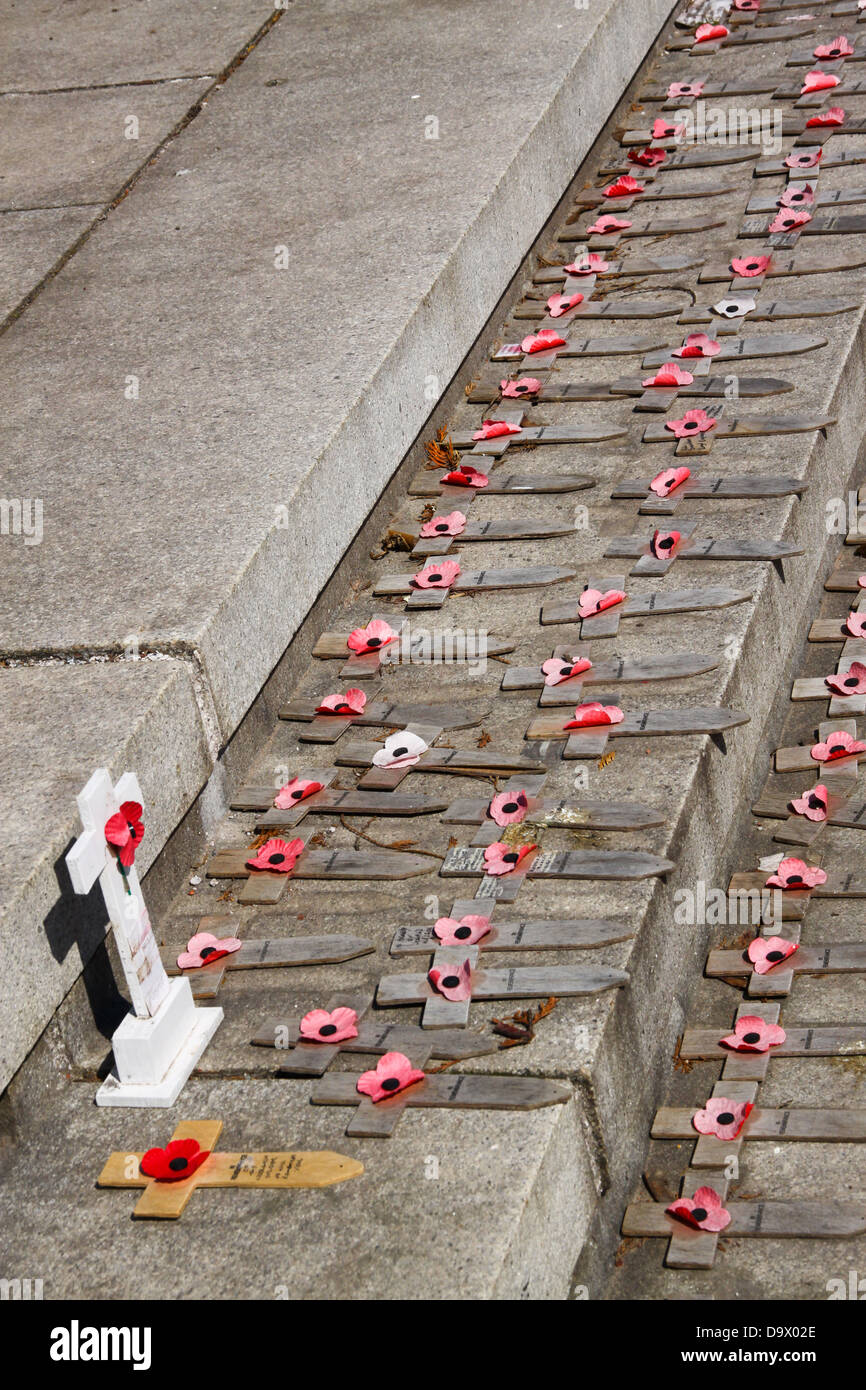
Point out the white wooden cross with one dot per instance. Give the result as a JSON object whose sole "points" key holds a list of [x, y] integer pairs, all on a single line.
{"points": [[156, 1049]]}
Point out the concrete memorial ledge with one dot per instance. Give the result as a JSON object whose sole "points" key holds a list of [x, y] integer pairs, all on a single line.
{"points": [[206, 430]]}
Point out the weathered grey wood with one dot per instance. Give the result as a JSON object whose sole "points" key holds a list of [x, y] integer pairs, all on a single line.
{"points": [[537, 577], [648, 605], [648, 265], [701, 157], [653, 192], [712, 386], [261, 798], [632, 547], [448, 1091], [823, 224], [442, 760], [804, 1126], [326, 863], [768, 345], [799, 758], [849, 813], [360, 802], [375, 1035], [832, 1219], [745, 38], [830, 629], [332, 645], [707, 486], [704, 719], [806, 57], [831, 159], [838, 1040], [750, 85], [578, 863], [767, 310], [585, 814], [822, 198], [504, 484], [491, 531], [382, 712], [278, 953], [655, 226], [562, 935], [516, 982], [806, 960], [609, 309], [654, 668], [730, 427], [789, 266], [543, 434]]}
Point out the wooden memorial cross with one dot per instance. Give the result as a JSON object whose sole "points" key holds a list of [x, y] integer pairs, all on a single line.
{"points": [[772, 310], [845, 806], [424, 484], [328, 728], [472, 762], [333, 802], [406, 529], [836, 197], [750, 887], [654, 227], [413, 647], [785, 266], [740, 427], [848, 569], [517, 935], [624, 865], [333, 865], [591, 741], [551, 812], [735, 966], [276, 953], [593, 199], [635, 547], [166, 1200], [606, 623], [532, 434], [737, 38], [652, 398], [676, 161], [156, 1047], [568, 690], [631, 269], [737, 349], [469, 581], [702, 486], [608, 309], [806, 58], [831, 158], [853, 650]]}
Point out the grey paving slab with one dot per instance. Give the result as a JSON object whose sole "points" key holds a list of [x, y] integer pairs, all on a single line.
{"points": [[31, 243]]}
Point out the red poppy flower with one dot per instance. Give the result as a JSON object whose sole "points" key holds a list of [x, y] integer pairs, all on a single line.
{"points": [[321, 1026], [204, 947], [125, 831], [793, 873], [509, 808], [663, 484], [608, 223], [839, 48], [179, 1159], [466, 476], [542, 341], [434, 576], [669, 374], [625, 187], [833, 116], [705, 33], [693, 422], [593, 601], [722, 1118], [747, 267], [788, 221], [297, 789], [592, 264], [526, 386], [855, 623], [698, 345], [802, 196], [555, 670], [664, 543], [494, 429], [352, 702], [684, 89], [400, 750], [818, 82], [850, 682], [665, 130], [559, 304], [648, 157], [504, 859], [279, 856], [753, 1034], [591, 714], [747, 4], [467, 932], [704, 1211], [767, 951], [453, 982], [836, 745], [370, 638], [451, 525], [394, 1073], [812, 804], [804, 159]]}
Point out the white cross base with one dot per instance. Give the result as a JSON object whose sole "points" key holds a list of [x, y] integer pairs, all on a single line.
{"points": [[157, 1046]]}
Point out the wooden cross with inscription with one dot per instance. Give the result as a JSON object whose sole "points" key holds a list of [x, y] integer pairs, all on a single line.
{"points": [[737, 38], [850, 699], [468, 581], [166, 1200], [568, 690], [655, 555], [467, 762], [701, 486], [532, 435], [845, 804], [606, 623], [357, 801], [407, 529], [268, 885], [653, 227], [552, 812], [736, 349], [328, 728], [503, 484], [781, 266], [591, 741]]}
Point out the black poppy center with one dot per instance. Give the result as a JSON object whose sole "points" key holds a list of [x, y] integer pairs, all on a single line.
{"points": [[327, 1030], [296, 795], [753, 265], [391, 1083], [814, 801], [400, 752], [751, 1037], [442, 526], [276, 858], [693, 424], [432, 577], [450, 982], [726, 1118], [836, 748], [699, 1213], [177, 1165], [852, 681], [511, 806], [566, 670], [510, 858], [462, 932], [207, 951], [342, 709], [666, 544], [374, 641], [794, 879]]}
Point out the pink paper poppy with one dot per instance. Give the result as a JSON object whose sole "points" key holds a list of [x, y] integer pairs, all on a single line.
{"points": [[767, 951], [542, 341], [592, 714], [804, 159], [467, 932], [555, 670], [606, 224], [664, 543], [295, 790], [279, 856], [494, 429], [593, 601], [861, 581], [693, 422], [812, 804], [648, 157], [802, 197], [466, 476], [451, 525], [749, 266], [835, 115], [752, 1034], [850, 682], [722, 1118], [665, 130], [625, 187], [837, 745], [434, 576], [125, 830], [352, 702], [204, 947], [559, 304], [179, 1159], [788, 221], [526, 386], [818, 82], [669, 374], [855, 623], [839, 48], [684, 89], [794, 874], [704, 1211], [509, 808], [698, 345], [400, 750], [453, 982], [321, 1026], [593, 264], [394, 1073], [504, 859], [705, 33], [663, 484], [371, 638]]}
